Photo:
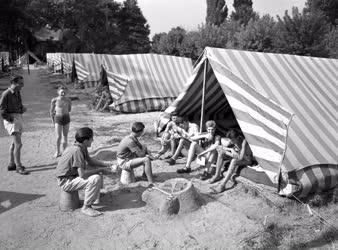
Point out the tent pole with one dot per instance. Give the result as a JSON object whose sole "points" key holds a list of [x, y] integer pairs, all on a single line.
{"points": [[27, 58], [203, 95]]}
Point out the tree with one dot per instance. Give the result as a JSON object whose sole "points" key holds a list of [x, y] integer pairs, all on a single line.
{"points": [[243, 11], [332, 42], [328, 7], [133, 29], [217, 12], [302, 34], [258, 35]]}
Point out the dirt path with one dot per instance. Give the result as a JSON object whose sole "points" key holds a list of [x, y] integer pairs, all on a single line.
{"points": [[29, 213]]}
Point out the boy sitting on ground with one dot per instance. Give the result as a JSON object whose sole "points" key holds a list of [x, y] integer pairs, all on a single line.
{"points": [[240, 153], [132, 154], [73, 175], [186, 131], [207, 139], [171, 128]]}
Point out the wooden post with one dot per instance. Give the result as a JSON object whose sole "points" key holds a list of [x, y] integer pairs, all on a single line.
{"points": [[203, 95]]}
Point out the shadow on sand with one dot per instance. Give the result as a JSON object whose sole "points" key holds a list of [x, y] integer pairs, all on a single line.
{"points": [[9, 200]]}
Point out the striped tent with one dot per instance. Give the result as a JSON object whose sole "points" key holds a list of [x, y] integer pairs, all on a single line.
{"points": [[4, 55], [305, 152], [81, 71], [154, 80]]}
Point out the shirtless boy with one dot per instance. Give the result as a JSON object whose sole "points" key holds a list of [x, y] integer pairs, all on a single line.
{"points": [[59, 111]]}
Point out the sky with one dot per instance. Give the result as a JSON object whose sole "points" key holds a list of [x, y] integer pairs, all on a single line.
{"points": [[162, 15]]}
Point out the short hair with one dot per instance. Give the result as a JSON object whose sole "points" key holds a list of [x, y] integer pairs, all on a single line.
{"points": [[15, 78], [174, 113], [62, 87], [210, 124], [137, 127], [83, 134], [233, 133]]}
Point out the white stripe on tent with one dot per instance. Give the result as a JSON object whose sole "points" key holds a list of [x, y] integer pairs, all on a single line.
{"points": [[81, 71], [266, 154], [252, 129]]}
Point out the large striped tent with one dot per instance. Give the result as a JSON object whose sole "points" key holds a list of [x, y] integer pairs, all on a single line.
{"points": [[154, 81], [285, 105]]}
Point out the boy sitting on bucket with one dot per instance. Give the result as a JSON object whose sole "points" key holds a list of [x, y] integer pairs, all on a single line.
{"points": [[132, 154], [73, 175]]}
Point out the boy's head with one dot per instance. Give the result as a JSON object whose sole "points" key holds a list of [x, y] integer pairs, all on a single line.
{"points": [[137, 128], [175, 117], [16, 81], [185, 122], [211, 126], [84, 134], [234, 135], [61, 90]]}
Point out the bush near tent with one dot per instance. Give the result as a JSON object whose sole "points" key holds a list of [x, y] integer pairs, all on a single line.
{"points": [[305, 86]]}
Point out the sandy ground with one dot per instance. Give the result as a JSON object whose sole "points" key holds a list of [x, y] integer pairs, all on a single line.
{"points": [[29, 205]]}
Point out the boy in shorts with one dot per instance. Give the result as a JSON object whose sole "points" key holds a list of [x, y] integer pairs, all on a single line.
{"points": [[73, 174], [132, 154], [59, 111], [11, 110], [207, 139], [186, 131], [240, 154]]}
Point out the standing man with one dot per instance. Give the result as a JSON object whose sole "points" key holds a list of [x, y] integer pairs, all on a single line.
{"points": [[11, 110]]}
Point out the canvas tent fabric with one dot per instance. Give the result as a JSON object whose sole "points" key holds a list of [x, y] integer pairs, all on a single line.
{"points": [[5, 56], [154, 81], [305, 86]]}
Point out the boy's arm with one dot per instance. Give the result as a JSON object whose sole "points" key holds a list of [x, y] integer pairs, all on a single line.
{"points": [[52, 107], [243, 150], [198, 137], [3, 109], [94, 162], [83, 173]]}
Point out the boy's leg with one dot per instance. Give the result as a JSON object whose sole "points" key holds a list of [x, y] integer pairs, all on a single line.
{"points": [[65, 130], [194, 147], [146, 162], [219, 164], [58, 131], [92, 187], [16, 136], [11, 156], [178, 149], [229, 173], [173, 146]]}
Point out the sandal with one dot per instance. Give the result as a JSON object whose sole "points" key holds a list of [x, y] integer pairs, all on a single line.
{"points": [[205, 175], [11, 167], [215, 179], [21, 170], [183, 170], [219, 189]]}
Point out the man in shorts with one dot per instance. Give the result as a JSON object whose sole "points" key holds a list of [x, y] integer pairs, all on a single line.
{"points": [[11, 110], [132, 154]]}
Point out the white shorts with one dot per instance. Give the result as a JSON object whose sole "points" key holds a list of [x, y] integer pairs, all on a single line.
{"points": [[15, 126], [124, 164]]}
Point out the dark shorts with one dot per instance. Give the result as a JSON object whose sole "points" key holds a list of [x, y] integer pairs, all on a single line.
{"points": [[62, 119]]}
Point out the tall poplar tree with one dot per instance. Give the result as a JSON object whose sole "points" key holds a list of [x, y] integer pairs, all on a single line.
{"points": [[217, 12], [134, 29]]}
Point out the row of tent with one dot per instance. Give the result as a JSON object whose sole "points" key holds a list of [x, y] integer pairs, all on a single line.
{"points": [[137, 83], [285, 105]]}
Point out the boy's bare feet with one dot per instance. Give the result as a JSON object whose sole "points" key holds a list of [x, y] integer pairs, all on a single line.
{"points": [[88, 210]]}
